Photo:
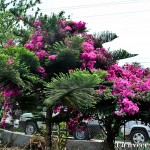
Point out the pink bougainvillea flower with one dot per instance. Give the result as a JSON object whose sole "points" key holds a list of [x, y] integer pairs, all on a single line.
{"points": [[62, 30], [10, 92], [10, 61], [3, 123], [52, 57], [39, 38], [80, 25], [29, 46], [57, 109], [9, 43], [37, 23], [91, 64], [41, 70], [5, 45], [68, 28], [63, 23], [87, 47], [41, 54], [39, 45]]}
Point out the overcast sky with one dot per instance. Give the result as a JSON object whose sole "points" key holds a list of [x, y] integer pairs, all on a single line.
{"points": [[129, 19]]}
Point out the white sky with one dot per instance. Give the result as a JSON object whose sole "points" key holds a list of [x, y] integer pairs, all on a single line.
{"points": [[129, 19]]}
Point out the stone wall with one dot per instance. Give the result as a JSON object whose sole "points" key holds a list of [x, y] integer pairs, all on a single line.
{"points": [[14, 138], [21, 140]]}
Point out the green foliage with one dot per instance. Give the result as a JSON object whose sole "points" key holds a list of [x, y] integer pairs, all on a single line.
{"points": [[107, 36], [60, 137], [23, 56], [8, 73], [69, 43], [137, 64], [147, 97], [19, 8], [75, 88], [29, 102], [51, 28], [103, 37], [21, 71], [7, 25], [74, 42], [50, 22], [11, 29], [121, 54], [66, 59], [13, 18], [105, 103], [68, 55]]}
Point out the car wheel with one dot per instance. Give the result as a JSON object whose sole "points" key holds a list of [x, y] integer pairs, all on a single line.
{"points": [[30, 128], [138, 136], [81, 134]]}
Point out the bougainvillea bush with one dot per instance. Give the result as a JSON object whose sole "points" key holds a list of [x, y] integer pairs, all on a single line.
{"points": [[69, 71], [131, 84]]}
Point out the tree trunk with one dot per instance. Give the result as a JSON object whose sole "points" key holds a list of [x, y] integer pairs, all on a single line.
{"points": [[110, 140], [48, 128]]}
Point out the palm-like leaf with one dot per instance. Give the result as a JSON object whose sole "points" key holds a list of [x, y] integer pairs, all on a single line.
{"points": [[75, 88]]}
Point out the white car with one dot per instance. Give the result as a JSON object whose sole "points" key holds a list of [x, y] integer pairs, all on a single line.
{"points": [[31, 123], [137, 131]]}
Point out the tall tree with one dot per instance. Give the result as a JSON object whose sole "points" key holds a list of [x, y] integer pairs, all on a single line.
{"points": [[46, 69]]}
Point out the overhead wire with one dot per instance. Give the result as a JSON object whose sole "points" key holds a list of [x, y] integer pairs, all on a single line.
{"points": [[98, 5], [102, 4], [130, 12]]}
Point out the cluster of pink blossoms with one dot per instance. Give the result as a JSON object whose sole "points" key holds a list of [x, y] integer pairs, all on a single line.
{"points": [[7, 112], [10, 61], [41, 54], [58, 109], [129, 81], [73, 123], [9, 43], [36, 45], [127, 106], [72, 26], [90, 55], [36, 41], [7, 92]]}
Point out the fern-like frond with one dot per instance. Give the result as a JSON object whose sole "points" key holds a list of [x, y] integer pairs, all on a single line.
{"points": [[77, 86]]}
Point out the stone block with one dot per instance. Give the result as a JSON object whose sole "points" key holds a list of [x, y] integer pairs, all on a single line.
{"points": [[85, 145], [15, 138], [20, 139]]}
